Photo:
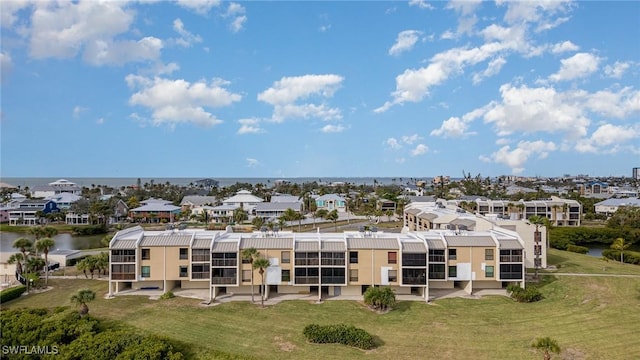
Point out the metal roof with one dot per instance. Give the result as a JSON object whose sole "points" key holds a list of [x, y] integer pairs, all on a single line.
{"points": [[413, 211], [266, 243], [435, 244], [225, 246], [372, 243], [463, 221], [428, 216], [278, 206], [307, 246], [413, 247], [333, 246], [202, 243], [509, 244], [124, 244], [469, 240], [169, 239]]}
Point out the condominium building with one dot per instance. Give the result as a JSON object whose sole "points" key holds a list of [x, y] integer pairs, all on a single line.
{"points": [[328, 264]]}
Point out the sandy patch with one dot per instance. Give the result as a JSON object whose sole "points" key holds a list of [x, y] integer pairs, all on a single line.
{"points": [[284, 345]]}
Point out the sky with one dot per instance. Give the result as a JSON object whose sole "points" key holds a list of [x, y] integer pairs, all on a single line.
{"points": [[305, 89]]}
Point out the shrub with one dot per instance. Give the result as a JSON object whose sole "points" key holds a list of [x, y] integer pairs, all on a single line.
{"points": [[339, 334], [89, 229], [12, 293], [167, 295], [577, 249], [530, 294], [380, 297], [630, 257]]}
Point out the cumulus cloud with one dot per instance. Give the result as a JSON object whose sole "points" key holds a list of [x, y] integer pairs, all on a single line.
{"points": [[186, 38], [421, 4], [617, 70], [238, 16], [405, 42], [91, 28], [456, 127], [9, 9], [179, 101], [420, 149], [78, 110], [542, 12], [201, 7], [609, 138], [410, 139], [493, 68], [393, 143], [332, 128], [515, 158], [249, 126], [564, 47], [251, 162], [578, 66], [6, 64], [286, 94]]}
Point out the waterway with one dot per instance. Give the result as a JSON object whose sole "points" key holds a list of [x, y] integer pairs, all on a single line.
{"points": [[62, 241]]}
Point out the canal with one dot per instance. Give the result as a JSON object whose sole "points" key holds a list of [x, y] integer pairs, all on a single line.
{"points": [[62, 241]]}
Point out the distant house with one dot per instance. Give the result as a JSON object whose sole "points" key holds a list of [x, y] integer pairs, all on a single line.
{"points": [[223, 213], [155, 211], [273, 210], [29, 211], [386, 205], [610, 206], [64, 200], [243, 199], [190, 201], [331, 202], [55, 188]]}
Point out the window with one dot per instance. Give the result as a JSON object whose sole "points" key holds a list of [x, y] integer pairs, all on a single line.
{"points": [[537, 263], [286, 275], [488, 271], [453, 271], [393, 275], [453, 254], [353, 275], [436, 255], [488, 254], [414, 259], [436, 271], [537, 249], [184, 253], [146, 254], [392, 257], [146, 271], [246, 275], [353, 257], [184, 271], [285, 256]]}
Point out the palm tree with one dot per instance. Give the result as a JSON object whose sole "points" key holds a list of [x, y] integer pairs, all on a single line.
{"points": [[44, 245], [261, 263], [81, 298], [618, 244], [16, 259], [102, 262], [34, 264], [24, 245], [250, 254], [547, 345], [333, 217]]}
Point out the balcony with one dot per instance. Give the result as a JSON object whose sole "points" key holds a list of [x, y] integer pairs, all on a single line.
{"points": [[123, 276], [305, 262], [511, 258], [224, 263], [223, 280], [200, 258], [436, 258], [123, 258], [333, 280], [511, 275], [333, 262], [300, 280], [420, 280], [200, 275]]}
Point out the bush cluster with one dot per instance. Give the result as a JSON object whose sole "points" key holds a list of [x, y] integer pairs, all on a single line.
{"points": [[89, 230], [167, 295], [11, 293], [339, 334], [630, 257], [577, 249], [380, 297], [530, 294]]}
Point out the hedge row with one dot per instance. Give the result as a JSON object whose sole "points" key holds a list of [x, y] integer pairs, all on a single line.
{"points": [[530, 294], [630, 257], [577, 249], [89, 229], [12, 293], [341, 334]]}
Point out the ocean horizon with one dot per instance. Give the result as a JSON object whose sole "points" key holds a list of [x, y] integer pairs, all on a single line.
{"points": [[117, 182]]}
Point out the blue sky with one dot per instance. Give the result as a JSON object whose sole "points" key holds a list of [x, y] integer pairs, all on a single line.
{"points": [[297, 89]]}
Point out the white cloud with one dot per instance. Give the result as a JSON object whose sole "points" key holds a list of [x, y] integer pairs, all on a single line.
{"points": [[201, 7], [251, 162], [186, 38], [78, 110], [5, 64], [467, 18], [421, 4], [405, 41], [236, 12], [617, 70], [332, 128], [455, 127], [106, 52], [493, 68], [577, 66], [9, 9], [564, 47], [410, 139], [536, 11], [609, 138], [178, 101], [393, 143], [517, 157], [286, 92], [420, 149], [100, 121], [249, 126]]}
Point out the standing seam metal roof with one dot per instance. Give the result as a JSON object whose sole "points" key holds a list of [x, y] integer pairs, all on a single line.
{"points": [[225, 246], [413, 247], [124, 244], [202, 244], [435, 244], [372, 243], [333, 246], [166, 240], [266, 243], [469, 240], [509, 244], [307, 246]]}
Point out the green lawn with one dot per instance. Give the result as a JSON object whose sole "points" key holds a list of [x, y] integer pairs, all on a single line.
{"points": [[590, 317], [569, 262]]}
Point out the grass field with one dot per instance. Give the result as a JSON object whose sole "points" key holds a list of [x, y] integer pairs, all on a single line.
{"points": [[568, 262], [590, 317]]}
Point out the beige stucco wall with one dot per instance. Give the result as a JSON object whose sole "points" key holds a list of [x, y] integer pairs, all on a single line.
{"points": [[186, 284], [165, 263], [440, 284], [487, 285], [351, 290], [147, 283], [290, 289], [369, 264]]}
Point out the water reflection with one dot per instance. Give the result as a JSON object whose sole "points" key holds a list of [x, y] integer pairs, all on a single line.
{"points": [[63, 241]]}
